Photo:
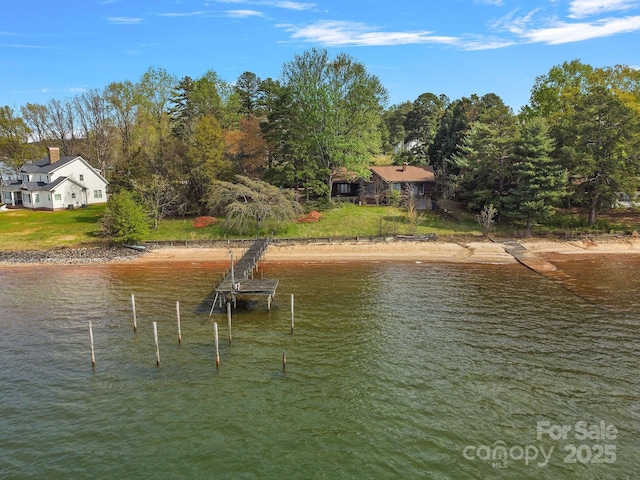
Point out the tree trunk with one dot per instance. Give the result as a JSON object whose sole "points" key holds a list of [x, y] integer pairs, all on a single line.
{"points": [[592, 209], [330, 185]]}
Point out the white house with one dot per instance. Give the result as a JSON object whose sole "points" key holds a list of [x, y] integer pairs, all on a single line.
{"points": [[55, 183]]}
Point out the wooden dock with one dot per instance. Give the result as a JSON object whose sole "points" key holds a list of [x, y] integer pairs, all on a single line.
{"points": [[237, 280]]}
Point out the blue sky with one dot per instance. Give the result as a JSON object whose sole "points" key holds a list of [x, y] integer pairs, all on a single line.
{"points": [[59, 48]]}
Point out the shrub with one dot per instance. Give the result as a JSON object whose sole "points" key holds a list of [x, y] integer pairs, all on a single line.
{"points": [[124, 220]]}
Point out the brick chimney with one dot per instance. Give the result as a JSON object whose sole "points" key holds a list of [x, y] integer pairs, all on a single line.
{"points": [[404, 167], [54, 154]]}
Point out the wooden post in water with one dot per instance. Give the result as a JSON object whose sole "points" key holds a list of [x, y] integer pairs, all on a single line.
{"points": [[179, 329], [93, 355], [215, 338], [292, 318], [284, 361], [155, 338], [133, 306], [229, 320]]}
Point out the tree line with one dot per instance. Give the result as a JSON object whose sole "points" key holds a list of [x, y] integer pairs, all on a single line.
{"points": [[173, 140]]}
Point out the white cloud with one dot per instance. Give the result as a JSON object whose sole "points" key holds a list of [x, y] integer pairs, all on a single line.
{"points": [[497, 3], [585, 8], [125, 20], [12, 34], [563, 32], [20, 45], [183, 14], [339, 33], [288, 5], [485, 44], [291, 5], [515, 25], [244, 13]]}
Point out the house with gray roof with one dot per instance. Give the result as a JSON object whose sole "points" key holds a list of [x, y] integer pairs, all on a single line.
{"points": [[55, 183]]}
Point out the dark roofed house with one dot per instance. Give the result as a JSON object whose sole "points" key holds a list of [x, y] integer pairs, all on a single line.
{"points": [[345, 186], [54, 183], [404, 179]]}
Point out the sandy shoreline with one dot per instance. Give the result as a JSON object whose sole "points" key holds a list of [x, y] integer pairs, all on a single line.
{"points": [[482, 252]]}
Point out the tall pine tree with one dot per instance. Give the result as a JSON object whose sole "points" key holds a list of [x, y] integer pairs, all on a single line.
{"points": [[540, 181]]}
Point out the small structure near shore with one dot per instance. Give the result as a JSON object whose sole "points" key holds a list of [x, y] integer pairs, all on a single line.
{"points": [[237, 282]]}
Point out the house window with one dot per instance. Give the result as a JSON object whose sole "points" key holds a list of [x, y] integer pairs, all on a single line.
{"points": [[36, 198], [81, 177], [27, 196], [73, 195], [396, 187], [344, 188], [417, 189], [97, 194], [58, 197], [7, 196]]}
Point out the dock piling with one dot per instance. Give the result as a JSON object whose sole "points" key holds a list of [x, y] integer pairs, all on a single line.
{"points": [[229, 321], [215, 339], [133, 306], [179, 329], [155, 339], [292, 316], [93, 354]]}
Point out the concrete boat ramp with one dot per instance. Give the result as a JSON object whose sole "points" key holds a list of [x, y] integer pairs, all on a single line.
{"points": [[527, 258]]}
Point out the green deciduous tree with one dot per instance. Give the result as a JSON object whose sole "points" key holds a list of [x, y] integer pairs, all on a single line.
{"points": [[421, 125], [154, 93], [394, 132], [124, 220], [603, 149], [593, 116], [205, 158], [14, 140], [337, 106], [123, 101]]}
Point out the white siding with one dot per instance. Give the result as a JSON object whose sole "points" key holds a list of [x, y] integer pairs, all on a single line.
{"points": [[90, 179]]}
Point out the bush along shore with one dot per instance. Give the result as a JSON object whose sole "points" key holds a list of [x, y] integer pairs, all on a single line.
{"points": [[70, 255]]}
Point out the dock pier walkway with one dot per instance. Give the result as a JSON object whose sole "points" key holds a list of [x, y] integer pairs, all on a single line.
{"points": [[237, 280]]}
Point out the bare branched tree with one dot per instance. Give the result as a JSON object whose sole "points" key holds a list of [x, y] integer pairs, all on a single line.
{"points": [[486, 218], [162, 198]]}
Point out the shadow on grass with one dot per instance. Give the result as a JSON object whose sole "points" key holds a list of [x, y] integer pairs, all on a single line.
{"points": [[395, 219]]}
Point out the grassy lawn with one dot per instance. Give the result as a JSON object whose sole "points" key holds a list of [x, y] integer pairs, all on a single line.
{"points": [[29, 230], [26, 229]]}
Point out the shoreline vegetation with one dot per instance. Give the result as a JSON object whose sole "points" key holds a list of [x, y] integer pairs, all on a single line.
{"points": [[345, 233], [467, 250]]}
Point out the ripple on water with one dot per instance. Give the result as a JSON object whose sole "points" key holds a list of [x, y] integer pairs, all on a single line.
{"points": [[392, 370]]}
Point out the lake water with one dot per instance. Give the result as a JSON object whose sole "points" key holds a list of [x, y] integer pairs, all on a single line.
{"points": [[395, 370]]}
